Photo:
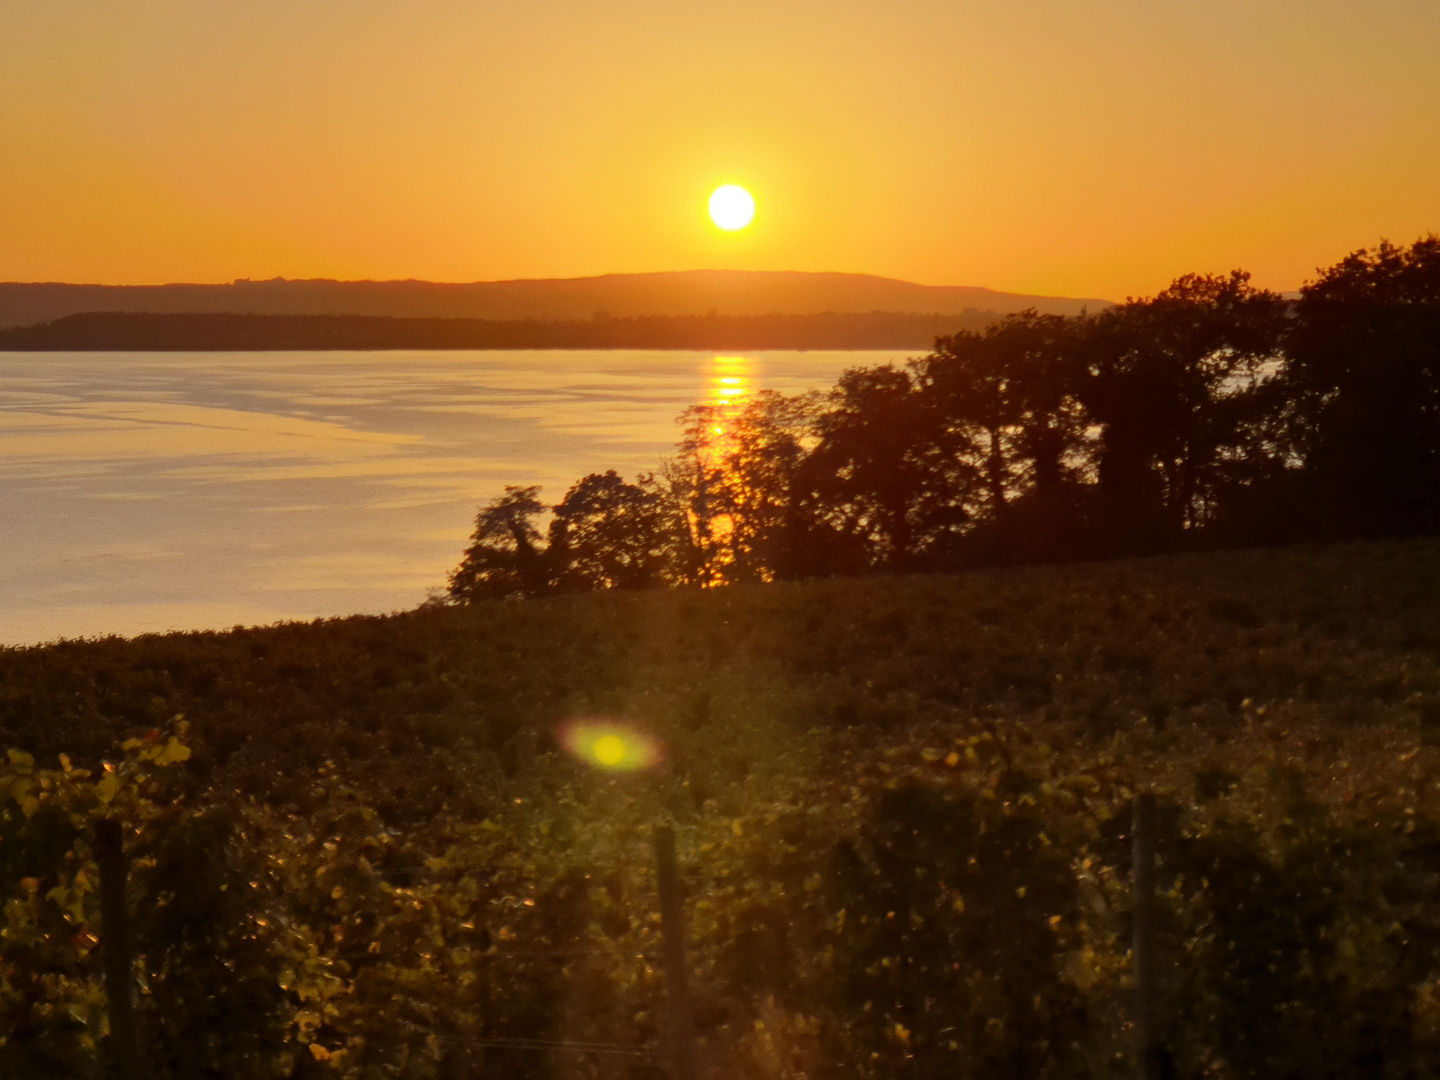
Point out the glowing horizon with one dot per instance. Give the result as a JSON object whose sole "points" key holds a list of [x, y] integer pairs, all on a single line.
{"points": [[1030, 148]]}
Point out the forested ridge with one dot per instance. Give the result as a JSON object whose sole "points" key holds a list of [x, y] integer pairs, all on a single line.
{"points": [[1214, 414], [562, 300], [106, 331]]}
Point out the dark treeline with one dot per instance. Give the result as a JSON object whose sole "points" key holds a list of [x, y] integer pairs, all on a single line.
{"points": [[1214, 414], [144, 332]]}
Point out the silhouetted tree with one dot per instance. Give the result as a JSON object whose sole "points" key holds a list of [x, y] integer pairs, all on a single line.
{"points": [[607, 534], [505, 556], [1214, 413], [883, 474], [760, 523], [691, 482], [1364, 371], [773, 534], [1166, 379], [969, 383], [1007, 396]]}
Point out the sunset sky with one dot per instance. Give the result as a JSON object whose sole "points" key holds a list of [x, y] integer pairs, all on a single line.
{"points": [[1091, 149]]}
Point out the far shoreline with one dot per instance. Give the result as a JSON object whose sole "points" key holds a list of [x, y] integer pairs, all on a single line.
{"points": [[205, 332]]}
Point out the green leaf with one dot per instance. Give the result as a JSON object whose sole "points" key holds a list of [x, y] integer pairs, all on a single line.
{"points": [[174, 751], [107, 788]]}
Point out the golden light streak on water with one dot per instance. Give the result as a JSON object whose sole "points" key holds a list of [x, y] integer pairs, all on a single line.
{"points": [[158, 491]]}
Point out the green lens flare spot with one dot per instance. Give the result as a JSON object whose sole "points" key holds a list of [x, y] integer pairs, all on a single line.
{"points": [[609, 750], [610, 746]]}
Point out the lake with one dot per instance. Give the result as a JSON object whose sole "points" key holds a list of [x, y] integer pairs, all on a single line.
{"points": [[163, 491]]}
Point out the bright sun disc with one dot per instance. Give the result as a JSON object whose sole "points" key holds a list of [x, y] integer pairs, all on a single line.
{"points": [[732, 207]]}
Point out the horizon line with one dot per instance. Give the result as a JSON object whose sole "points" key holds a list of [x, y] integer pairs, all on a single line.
{"points": [[278, 279]]}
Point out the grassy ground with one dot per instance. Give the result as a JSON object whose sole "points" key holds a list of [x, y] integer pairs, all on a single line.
{"points": [[1338, 643], [901, 804]]}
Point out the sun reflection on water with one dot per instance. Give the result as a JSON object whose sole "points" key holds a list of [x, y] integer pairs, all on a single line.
{"points": [[732, 383], [730, 391], [157, 491]]}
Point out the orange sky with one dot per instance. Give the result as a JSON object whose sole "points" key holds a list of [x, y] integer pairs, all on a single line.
{"points": [[1093, 149]]}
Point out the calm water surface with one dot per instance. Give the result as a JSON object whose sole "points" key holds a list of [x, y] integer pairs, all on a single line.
{"points": [[156, 491]]}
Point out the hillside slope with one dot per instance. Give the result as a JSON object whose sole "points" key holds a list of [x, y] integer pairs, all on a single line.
{"points": [[902, 808], [692, 292], [1345, 635]]}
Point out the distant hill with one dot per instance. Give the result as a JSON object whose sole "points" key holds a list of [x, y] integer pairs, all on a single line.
{"points": [[691, 292], [146, 332]]}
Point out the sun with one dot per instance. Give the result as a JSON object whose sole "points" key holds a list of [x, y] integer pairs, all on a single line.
{"points": [[732, 207]]}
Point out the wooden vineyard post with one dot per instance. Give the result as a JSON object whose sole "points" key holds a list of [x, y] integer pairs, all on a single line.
{"points": [[116, 949], [672, 931], [1143, 947]]}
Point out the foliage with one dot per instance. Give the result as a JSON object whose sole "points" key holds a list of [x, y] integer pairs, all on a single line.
{"points": [[51, 998], [1167, 380], [377, 862], [1365, 373], [607, 534], [505, 557], [1213, 414]]}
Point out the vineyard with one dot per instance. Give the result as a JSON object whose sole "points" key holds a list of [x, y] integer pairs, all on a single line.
{"points": [[358, 848]]}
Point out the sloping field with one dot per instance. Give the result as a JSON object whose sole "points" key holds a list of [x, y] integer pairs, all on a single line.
{"points": [[901, 806]]}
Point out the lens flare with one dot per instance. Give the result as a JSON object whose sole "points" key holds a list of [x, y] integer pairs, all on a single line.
{"points": [[609, 750], [609, 745]]}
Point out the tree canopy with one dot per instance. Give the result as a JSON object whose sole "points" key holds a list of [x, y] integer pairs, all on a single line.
{"points": [[1213, 414]]}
